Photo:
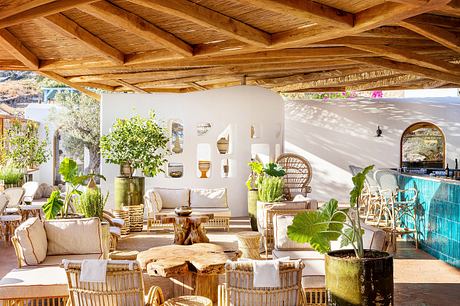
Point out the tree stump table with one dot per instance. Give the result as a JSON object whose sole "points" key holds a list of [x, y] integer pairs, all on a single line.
{"points": [[188, 229], [193, 270]]}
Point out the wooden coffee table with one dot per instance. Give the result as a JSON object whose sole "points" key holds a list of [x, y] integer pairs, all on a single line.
{"points": [[192, 269], [188, 230]]}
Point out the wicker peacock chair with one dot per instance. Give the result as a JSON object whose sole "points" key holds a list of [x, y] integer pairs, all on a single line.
{"points": [[298, 175]]}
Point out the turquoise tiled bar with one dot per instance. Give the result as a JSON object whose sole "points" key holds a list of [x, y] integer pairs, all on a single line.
{"points": [[438, 216]]}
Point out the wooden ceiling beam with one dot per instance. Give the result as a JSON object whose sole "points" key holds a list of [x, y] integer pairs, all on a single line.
{"points": [[307, 10], [136, 25], [15, 47], [65, 81], [70, 28], [12, 10], [437, 34], [385, 82], [197, 86], [209, 18], [46, 9], [410, 57], [437, 20], [410, 69], [452, 8], [131, 86]]}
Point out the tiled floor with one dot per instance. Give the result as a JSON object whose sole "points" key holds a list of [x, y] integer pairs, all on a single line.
{"points": [[419, 278]]}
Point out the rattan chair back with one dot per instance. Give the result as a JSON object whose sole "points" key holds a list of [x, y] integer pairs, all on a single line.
{"points": [[298, 174]]}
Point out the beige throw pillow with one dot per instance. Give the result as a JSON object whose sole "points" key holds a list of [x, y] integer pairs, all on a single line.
{"points": [[173, 197], [209, 198], [155, 202], [33, 242]]}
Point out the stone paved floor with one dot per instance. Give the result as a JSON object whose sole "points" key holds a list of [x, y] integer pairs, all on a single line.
{"points": [[420, 279]]}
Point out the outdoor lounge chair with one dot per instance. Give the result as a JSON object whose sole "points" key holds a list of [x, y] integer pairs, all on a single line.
{"points": [[30, 189], [298, 175], [15, 196]]}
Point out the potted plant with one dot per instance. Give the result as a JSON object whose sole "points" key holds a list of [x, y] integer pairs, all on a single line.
{"points": [[91, 202], [134, 143], [355, 276], [252, 184], [11, 176]]}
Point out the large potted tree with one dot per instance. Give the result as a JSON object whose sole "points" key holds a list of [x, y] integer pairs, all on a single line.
{"points": [[134, 143], [354, 276]]}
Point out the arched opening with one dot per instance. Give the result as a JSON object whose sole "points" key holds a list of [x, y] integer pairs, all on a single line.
{"points": [[423, 145]]}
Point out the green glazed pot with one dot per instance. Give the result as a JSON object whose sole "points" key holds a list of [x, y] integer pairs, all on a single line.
{"points": [[129, 191], [252, 208], [351, 281]]}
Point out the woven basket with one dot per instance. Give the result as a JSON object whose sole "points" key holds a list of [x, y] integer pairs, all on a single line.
{"points": [[136, 217], [124, 215]]}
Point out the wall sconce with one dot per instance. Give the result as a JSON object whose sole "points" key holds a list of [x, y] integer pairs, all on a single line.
{"points": [[379, 132]]}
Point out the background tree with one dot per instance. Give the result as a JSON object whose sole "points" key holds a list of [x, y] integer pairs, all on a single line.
{"points": [[78, 122]]}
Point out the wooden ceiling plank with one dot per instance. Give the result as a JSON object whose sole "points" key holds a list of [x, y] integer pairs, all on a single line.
{"points": [[15, 47], [197, 86], [410, 57], [452, 8], [63, 80], [134, 24], [208, 18], [71, 29], [308, 10], [410, 69], [437, 34], [21, 8], [131, 86], [45, 9], [385, 82]]}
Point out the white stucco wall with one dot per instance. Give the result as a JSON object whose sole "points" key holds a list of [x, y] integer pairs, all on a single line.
{"points": [[240, 107], [336, 133]]}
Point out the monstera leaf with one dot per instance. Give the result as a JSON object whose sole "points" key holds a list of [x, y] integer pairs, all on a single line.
{"points": [[53, 206], [273, 169], [69, 171], [358, 182]]}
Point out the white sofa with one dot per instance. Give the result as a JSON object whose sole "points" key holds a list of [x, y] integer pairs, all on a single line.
{"points": [[160, 201], [374, 238], [47, 243]]}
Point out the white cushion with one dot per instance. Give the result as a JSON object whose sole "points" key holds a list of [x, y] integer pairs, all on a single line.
{"points": [[314, 261], [56, 260], [154, 202], [208, 197], [218, 212], [282, 241], [33, 241], [173, 197], [74, 236]]}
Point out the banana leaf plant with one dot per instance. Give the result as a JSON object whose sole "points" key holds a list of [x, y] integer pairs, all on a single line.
{"points": [[320, 227], [74, 180]]}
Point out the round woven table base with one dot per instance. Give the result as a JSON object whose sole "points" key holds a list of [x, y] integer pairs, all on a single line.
{"points": [[136, 217], [189, 300], [248, 244], [123, 255], [124, 215]]}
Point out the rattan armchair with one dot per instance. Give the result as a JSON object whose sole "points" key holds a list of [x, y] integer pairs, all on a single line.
{"points": [[124, 286], [298, 175], [238, 288]]}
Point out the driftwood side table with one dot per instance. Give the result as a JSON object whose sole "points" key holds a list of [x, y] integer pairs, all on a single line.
{"points": [[249, 244], [188, 229]]}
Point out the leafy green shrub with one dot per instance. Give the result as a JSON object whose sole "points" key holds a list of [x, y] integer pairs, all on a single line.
{"points": [[53, 205], [271, 189], [91, 203], [11, 175]]}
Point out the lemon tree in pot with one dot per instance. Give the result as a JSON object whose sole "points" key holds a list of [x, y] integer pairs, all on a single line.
{"points": [[355, 276]]}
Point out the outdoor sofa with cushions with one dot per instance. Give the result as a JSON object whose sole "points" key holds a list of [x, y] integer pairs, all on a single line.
{"points": [[47, 243], [373, 238], [160, 201]]}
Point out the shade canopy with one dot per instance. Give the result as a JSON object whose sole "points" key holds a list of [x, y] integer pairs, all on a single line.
{"points": [[286, 45]]}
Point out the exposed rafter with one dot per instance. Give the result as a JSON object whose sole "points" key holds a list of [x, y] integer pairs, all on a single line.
{"points": [[78, 87], [390, 81], [46, 9], [437, 34], [132, 23], [6, 12], [71, 29], [18, 50], [308, 10], [209, 18], [131, 86]]}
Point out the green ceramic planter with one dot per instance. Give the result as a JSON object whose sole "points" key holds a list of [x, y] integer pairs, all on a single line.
{"points": [[252, 208], [129, 191], [352, 282]]}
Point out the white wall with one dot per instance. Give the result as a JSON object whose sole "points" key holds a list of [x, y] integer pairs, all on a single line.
{"points": [[239, 106], [336, 133]]}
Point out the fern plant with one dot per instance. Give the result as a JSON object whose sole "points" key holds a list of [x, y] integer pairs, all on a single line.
{"points": [[271, 189]]}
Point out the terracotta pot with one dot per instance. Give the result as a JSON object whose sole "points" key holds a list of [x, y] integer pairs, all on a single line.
{"points": [[222, 145], [352, 281]]}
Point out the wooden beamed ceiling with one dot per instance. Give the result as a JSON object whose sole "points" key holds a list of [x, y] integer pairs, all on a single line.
{"points": [[188, 45]]}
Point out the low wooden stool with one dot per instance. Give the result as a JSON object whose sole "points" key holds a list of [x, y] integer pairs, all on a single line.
{"points": [[124, 255], [191, 300], [248, 244]]}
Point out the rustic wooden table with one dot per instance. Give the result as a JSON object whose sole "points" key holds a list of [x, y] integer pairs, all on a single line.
{"points": [[188, 230], [193, 269]]}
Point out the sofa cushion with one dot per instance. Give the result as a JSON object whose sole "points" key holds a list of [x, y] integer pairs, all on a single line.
{"points": [[34, 283], [74, 236], [202, 197], [314, 261], [56, 260], [173, 197], [282, 241], [33, 241], [218, 212], [154, 202]]}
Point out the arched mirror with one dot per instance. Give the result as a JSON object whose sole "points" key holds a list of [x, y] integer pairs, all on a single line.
{"points": [[423, 145]]}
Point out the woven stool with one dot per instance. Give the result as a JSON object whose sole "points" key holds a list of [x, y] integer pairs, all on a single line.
{"points": [[192, 300], [136, 217], [248, 244], [124, 215], [124, 255]]}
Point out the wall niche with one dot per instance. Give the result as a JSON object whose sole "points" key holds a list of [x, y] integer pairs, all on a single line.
{"points": [[203, 128], [203, 154], [175, 170], [177, 136], [223, 142]]}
